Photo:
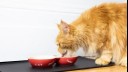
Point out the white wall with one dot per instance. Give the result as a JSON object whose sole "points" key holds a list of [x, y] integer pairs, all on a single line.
{"points": [[28, 27]]}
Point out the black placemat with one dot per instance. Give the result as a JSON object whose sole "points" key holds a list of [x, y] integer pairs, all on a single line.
{"points": [[24, 66]]}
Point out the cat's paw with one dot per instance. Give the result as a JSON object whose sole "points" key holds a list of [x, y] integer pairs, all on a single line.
{"points": [[101, 61], [123, 62]]}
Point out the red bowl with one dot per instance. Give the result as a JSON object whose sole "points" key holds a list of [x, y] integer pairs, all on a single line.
{"points": [[67, 61], [40, 62]]}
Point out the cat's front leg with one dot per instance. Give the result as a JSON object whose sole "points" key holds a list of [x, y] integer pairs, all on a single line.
{"points": [[105, 58]]}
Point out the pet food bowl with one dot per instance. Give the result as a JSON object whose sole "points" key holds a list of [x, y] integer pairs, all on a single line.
{"points": [[66, 60], [42, 61]]}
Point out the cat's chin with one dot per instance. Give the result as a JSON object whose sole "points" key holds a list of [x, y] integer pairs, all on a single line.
{"points": [[65, 53], [69, 53]]}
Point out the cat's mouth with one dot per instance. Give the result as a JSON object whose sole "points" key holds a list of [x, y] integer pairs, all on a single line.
{"points": [[63, 54]]}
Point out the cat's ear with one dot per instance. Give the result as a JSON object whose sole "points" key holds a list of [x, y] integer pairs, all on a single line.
{"points": [[64, 26], [63, 22]]}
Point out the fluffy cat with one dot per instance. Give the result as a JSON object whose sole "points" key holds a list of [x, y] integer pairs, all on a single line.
{"points": [[101, 31]]}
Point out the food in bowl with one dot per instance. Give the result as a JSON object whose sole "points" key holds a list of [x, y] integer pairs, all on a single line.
{"points": [[42, 61]]}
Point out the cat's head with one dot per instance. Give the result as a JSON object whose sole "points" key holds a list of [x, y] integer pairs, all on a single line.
{"points": [[66, 39]]}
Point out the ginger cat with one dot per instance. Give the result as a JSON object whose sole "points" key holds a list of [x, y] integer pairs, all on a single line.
{"points": [[101, 31]]}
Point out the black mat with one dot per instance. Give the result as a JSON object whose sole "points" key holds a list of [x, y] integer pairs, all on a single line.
{"points": [[24, 66]]}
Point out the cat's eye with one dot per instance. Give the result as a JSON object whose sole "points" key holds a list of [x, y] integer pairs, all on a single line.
{"points": [[58, 44]]}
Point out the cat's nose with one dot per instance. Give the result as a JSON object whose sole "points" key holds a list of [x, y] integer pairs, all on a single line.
{"points": [[60, 50]]}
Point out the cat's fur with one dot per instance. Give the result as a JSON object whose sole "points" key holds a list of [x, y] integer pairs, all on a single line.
{"points": [[101, 31]]}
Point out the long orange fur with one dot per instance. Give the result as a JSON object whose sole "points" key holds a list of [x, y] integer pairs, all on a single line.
{"points": [[101, 31]]}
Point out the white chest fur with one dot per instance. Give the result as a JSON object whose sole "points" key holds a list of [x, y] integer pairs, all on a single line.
{"points": [[91, 52]]}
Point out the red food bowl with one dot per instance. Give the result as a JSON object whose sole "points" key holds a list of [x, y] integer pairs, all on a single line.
{"points": [[42, 61], [67, 61]]}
